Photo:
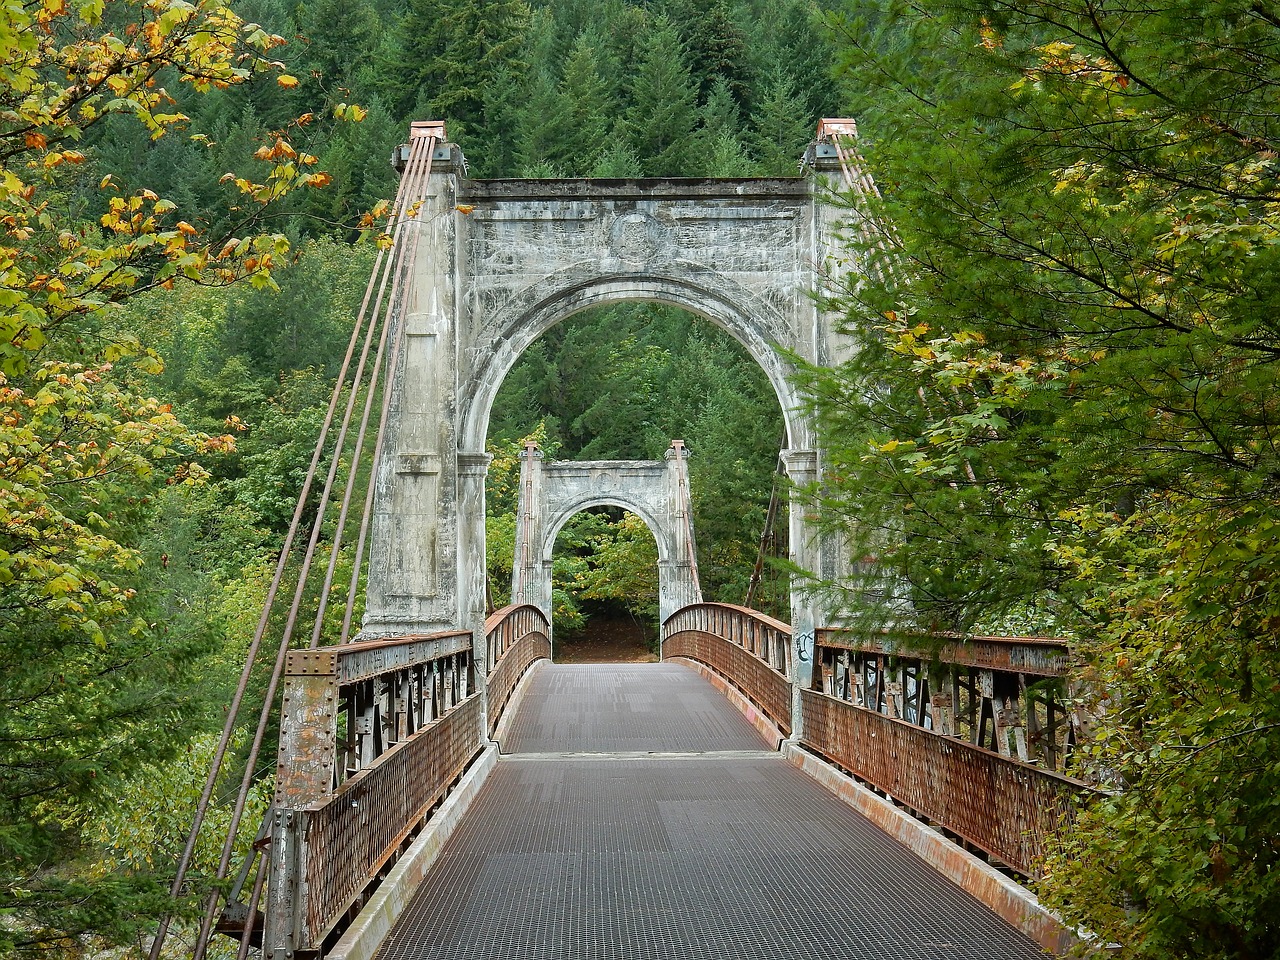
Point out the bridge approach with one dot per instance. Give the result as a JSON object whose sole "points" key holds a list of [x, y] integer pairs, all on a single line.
{"points": [[635, 813]]}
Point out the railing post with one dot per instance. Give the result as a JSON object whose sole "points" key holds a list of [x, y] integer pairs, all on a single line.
{"points": [[307, 753], [286, 894]]}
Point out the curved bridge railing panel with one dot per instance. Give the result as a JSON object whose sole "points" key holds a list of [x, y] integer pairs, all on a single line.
{"points": [[518, 636], [1002, 806], [1008, 694], [373, 735], [352, 834], [750, 650]]}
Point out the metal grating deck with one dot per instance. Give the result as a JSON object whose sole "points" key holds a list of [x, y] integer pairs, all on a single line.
{"points": [[625, 708], [696, 856]]}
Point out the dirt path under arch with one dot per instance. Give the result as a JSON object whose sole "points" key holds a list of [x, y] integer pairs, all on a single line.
{"points": [[607, 639]]}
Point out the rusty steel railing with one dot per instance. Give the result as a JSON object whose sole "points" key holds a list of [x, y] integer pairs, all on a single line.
{"points": [[1002, 806], [373, 735], [351, 835], [1040, 656], [517, 636], [749, 649], [1009, 694]]}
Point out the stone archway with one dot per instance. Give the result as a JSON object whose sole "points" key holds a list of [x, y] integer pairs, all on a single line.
{"points": [[493, 264], [657, 491]]}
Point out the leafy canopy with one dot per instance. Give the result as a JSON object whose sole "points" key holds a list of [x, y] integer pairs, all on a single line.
{"points": [[1062, 414], [92, 672]]}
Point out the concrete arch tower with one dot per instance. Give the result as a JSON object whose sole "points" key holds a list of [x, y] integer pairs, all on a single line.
{"points": [[656, 491], [496, 263]]}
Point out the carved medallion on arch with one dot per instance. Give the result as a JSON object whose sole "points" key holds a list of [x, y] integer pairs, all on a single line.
{"points": [[638, 238]]}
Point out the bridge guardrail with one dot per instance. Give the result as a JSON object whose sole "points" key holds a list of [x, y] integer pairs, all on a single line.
{"points": [[373, 735], [749, 649], [517, 635], [1038, 656], [1002, 806], [351, 835], [1011, 695]]}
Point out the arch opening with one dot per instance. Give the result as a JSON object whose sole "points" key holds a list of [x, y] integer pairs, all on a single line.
{"points": [[743, 318], [605, 572], [619, 383]]}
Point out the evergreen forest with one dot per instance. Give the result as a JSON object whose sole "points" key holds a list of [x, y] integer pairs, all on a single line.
{"points": [[1062, 418]]}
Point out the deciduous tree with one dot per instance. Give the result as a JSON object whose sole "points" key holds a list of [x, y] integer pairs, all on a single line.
{"points": [[91, 680]]}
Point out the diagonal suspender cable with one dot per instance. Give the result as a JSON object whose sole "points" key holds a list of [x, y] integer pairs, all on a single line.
{"points": [[766, 535], [260, 878], [268, 704], [251, 656], [393, 366], [233, 710], [404, 276], [858, 180]]}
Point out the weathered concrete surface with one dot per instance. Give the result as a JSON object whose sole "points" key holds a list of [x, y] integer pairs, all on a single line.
{"points": [[492, 265], [657, 491]]}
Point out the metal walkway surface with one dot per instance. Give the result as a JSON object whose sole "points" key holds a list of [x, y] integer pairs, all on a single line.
{"points": [[636, 814]]}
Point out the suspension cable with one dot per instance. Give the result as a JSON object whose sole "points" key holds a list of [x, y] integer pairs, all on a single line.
{"points": [[268, 703], [383, 266]]}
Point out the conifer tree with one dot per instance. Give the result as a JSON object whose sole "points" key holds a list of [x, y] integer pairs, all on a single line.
{"points": [[451, 51], [617, 161], [662, 117], [590, 105], [781, 126], [716, 45], [543, 122]]}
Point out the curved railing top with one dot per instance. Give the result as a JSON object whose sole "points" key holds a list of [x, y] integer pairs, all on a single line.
{"points": [[946, 636], [362, 659], [764, 618], [495, 619]]}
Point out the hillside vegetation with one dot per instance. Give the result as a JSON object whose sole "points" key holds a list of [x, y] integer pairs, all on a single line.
{"points": [[1063, 416]]}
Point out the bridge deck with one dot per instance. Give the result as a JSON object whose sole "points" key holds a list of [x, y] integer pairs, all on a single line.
{"points": [[636, 814]]}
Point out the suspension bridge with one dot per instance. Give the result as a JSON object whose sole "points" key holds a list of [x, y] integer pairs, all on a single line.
{"points": [[770, 789]]}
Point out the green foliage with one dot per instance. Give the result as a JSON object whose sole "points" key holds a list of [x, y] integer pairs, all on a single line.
{"points": [[1061, 405], [662, 116], [717, 46], [92, 675], [1181, 619], [450, 51], [623, 568], [783, 125], [622, 383], [142, 820], [106, 496]]}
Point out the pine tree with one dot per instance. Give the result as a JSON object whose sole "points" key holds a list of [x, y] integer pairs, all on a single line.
{"points": [[781, 126], [618, 161], [716, 45], [590, 105], [341, 37], [543, 122], [662, 116], [451, 51]]}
